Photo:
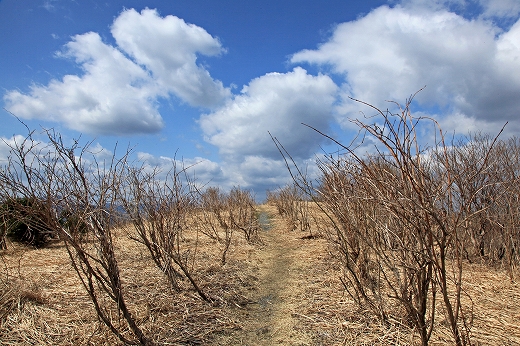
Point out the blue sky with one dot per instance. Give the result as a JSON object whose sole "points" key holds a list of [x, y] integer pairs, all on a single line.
{"points": [[204, 81]]}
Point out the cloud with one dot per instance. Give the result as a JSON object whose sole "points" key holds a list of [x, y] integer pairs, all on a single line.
{"points": [[277, 103], [99, 152], [432, 5], [254, 173], [113, 96], [500, 8], [6, 145], [39, 149], [258, 172], [117, 94], [199, 171], [467, 65], [168, 47], [49, 5]]}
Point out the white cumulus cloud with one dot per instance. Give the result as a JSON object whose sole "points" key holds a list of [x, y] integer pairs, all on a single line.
{"points": [[467, 65], [113, 95], [277, 103], [119, 88], [168, 47]]}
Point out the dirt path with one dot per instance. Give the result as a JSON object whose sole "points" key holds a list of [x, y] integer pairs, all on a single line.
{"points": [[272, 318]]}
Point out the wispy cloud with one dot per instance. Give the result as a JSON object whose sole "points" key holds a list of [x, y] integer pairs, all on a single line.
{"points": [[500, 8], [49, 5]]}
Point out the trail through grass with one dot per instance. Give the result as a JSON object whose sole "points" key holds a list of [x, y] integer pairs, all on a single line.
{"points": [[271, 318]]}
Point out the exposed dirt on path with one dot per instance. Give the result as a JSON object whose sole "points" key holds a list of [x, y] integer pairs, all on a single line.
{"points": [[273, 316]]}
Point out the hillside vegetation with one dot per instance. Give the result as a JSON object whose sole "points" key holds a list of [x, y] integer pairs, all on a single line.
{"points": [[401, 245]]}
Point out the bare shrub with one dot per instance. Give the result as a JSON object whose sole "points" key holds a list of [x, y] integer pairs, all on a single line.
{"points": [[214, 220], [212, 203], [283, 199], [19, 223], [158, 209], [64, 178], [242, 213], [4, 228], [506, 219], [401, 216], [221, 215], [493, 235], [293, 205]]}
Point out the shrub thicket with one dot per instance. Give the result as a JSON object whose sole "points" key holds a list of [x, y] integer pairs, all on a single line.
{"points": [[73, 193], [406, 217], [21, 220], [293, 205]]}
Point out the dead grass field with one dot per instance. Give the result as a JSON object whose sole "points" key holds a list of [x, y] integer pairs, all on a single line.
{"points": [[283, 290]]}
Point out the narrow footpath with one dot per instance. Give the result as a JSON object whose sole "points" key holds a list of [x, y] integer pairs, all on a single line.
{"points": [[272, 318]]}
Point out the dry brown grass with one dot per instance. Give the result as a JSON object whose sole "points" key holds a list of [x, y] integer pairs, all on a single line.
{"points": [[336, 320], [43, 303]]}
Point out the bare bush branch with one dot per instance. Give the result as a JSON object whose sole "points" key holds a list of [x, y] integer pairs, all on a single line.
{"points": [[402, 217], [60, 179]]}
